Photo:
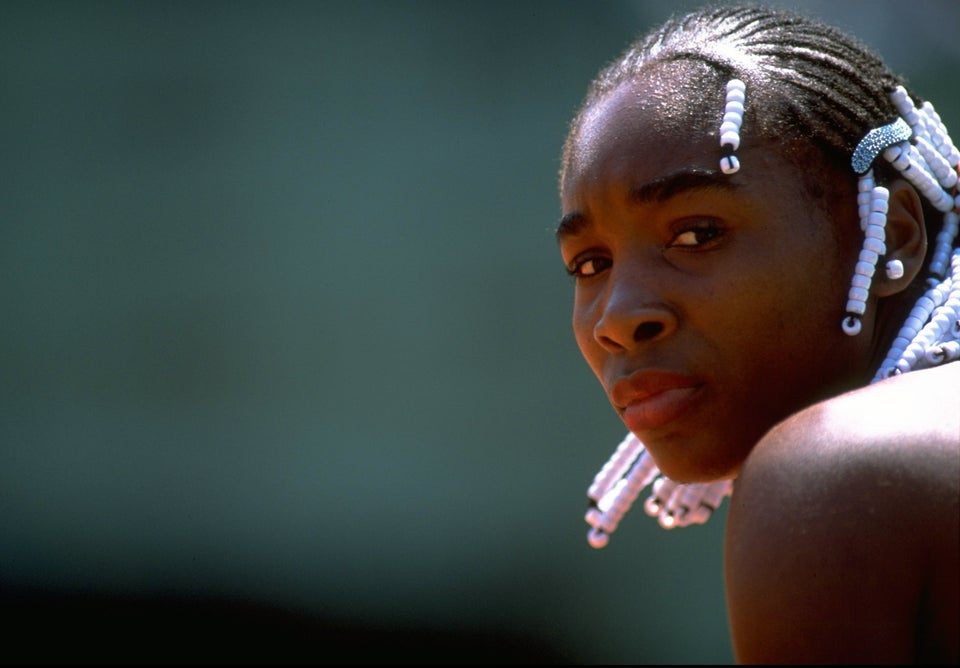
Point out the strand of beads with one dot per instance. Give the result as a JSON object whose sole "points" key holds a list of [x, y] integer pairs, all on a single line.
{"points": [[612, 493], [681, 505], [944, 242], [730, 127], [931, 165], [908, 161], [942, 323], [618, 484], [614, 469], [925, 122], [872, 224], [933, 321], [930, 333]]}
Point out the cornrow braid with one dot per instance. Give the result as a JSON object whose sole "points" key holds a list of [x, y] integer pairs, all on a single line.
{"points": [[815, 85]]}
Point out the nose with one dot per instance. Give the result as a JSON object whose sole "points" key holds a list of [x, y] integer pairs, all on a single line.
{"points": [[632, 314]]}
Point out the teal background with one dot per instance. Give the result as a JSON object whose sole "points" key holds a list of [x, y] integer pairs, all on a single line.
{"points": [[284, 321]]}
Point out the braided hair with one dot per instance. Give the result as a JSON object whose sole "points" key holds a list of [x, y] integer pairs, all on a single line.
{"points": [[813, 87]]}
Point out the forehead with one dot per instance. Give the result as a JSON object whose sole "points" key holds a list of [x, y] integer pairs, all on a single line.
{"points": [[642, 127], [677, 95], [667, 123]]}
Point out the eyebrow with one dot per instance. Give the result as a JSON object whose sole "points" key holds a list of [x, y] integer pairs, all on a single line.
{"points": [[657, 190]]}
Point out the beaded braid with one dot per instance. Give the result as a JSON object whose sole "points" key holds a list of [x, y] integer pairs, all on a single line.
{"points": [[730, 127], [844, 90], [931, 333]]}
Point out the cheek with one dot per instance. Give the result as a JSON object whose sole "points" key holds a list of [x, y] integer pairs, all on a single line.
{"points": [[786, 322], [770, 315]]}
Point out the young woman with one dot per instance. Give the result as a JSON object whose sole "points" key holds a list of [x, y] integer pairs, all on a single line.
{"points": [[761, 222]]}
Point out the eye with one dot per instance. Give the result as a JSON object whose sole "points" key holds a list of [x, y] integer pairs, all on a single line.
{"points": [[585, 267], [701, 233]]}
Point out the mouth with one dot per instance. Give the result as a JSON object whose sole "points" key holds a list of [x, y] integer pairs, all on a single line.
{"points": [[650, 400], [658, 410]]}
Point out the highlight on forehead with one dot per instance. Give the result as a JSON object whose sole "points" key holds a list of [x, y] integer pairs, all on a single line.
{"points": [[684, 96]]}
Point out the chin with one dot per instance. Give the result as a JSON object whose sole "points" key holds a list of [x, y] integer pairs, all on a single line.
{"points": [[690, 467]]}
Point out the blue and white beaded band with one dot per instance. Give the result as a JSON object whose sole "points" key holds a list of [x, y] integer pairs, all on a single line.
{"points": [[875, 141]]}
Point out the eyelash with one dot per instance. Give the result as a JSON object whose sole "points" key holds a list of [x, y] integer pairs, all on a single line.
{"points": [[710, 228]]}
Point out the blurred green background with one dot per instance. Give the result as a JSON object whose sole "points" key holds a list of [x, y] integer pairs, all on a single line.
{"points": [[285, 330]]}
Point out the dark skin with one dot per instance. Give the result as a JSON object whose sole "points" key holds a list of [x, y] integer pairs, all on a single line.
{"points": [[709, 308], [842, 533]]}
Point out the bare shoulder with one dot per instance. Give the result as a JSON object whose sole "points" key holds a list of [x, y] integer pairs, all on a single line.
{"points": [[843, 534]]}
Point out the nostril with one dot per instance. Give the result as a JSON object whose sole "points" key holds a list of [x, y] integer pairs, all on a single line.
{"points": [[647, 330]]}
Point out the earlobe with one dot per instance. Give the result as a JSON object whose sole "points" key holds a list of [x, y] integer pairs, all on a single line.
{"points": [[906, 241]]}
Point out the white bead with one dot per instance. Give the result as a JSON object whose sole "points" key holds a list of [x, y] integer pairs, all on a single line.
{"points": [[913, 119], [714, 493], [858, 294], [733, 118], [730, 164], [897, 157], [901, 99], [875, 245], [936, 295], [851, 326], [900, 343], [865, 269], [880, 205], [597, 539], [735, 107], [860, 281], [735, 84], [893, 152], [894, 269], [946, 176], [730, 136], [942, 201], [698, 516], [663, 487], [594, 517], [856, 306], [868, 256], [951, 221], [875, 231], [619, 463], [914, 325]]}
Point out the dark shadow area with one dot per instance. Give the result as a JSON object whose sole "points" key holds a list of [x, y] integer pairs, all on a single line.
{"points": [[56, 627]]}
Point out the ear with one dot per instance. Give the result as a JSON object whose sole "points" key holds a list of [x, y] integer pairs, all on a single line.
{"points": [[906, 239]]}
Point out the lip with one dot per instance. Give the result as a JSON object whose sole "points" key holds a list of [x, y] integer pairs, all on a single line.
{"points": [[650, 399]]}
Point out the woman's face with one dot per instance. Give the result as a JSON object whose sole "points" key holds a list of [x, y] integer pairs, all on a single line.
{"points": [[708, 305]]}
